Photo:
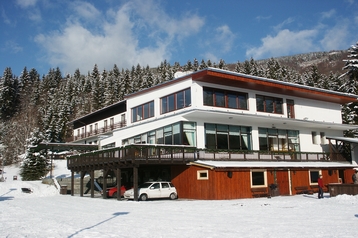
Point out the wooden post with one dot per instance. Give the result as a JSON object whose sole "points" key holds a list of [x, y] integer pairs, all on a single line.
{"points": [[135, 182], [119, 184], [72, 182], [81, 183], [105, 174], [92, 183]]}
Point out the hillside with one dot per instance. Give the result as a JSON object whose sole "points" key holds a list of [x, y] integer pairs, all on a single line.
{"points": [[326, 62]]}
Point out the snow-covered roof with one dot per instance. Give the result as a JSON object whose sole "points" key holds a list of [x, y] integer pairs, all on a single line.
{"points": [[268, 164]]}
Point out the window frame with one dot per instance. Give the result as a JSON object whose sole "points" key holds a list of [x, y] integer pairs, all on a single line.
{"points": [[264, 171], [214, 94], [172, 102], [318, 171], [202, 172], [140, 110], [218, 135], [266, 102]]}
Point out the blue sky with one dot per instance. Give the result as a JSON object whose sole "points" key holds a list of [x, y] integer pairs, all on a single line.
{"points": [[44, 34]]}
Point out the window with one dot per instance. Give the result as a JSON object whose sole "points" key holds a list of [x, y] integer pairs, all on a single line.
{"points": [[202, 175], [314, 175], [111, 145], [176, 101], [165, 185], [223, 98], [111, 123], [105, 124], [290, 108], [258, 178], [180, 133], [269, 104], [314, 137], [225, 137], [323, 138], [143, 111], [271, 139]]}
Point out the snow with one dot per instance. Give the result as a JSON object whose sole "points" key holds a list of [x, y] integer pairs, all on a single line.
{"points": [[46, 213]]}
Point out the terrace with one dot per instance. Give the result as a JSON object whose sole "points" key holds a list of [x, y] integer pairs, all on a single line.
{"points": [[139, 154]]}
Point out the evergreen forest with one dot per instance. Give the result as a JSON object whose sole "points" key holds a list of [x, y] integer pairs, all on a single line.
{"points": [[35, 108]]}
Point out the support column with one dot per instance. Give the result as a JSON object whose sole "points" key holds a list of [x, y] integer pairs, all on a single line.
{"points": [[119, 183], [92, 183], [81, 183], [135, 182], [72, 182], [105, 174]]}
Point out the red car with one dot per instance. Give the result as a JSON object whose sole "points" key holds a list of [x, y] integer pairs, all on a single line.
{"points": [[112, 192]]}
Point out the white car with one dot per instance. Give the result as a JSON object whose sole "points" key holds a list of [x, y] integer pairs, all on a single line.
{"points": [[151, 190]]}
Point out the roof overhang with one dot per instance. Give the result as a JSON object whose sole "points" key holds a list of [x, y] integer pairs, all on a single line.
{"points": [[229, 78], [64, 146], [346, 139], [279, 122], [210, 164]]}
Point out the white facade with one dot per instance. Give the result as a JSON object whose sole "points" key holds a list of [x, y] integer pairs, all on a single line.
{"points": [[314, 119]]}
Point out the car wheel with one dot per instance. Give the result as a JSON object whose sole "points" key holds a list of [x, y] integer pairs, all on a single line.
{"points": [[114, 195], [143, 197], [173, 196]]}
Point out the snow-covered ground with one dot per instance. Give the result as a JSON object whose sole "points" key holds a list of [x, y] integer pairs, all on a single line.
{"points": [[46, 213]]}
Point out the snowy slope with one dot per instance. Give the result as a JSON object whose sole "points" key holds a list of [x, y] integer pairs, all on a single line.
{"points": [[46, 213]]}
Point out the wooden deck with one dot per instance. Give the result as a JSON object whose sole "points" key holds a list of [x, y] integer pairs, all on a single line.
{"points": [[135, 155]]}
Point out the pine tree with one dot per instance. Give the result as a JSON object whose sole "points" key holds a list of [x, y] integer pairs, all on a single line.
{"points": [[352, 64], [9, 95], [35, 166], [351, 86]]}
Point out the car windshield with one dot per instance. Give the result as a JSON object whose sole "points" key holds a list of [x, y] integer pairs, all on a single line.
{"points": [[144, 185]]}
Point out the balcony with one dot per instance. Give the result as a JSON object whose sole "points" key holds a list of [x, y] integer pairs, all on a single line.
{"points": [[135, 155], [99, 131]]}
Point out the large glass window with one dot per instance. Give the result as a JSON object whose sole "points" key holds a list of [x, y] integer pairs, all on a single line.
{"points": [[218, 136], [271, 139], [143, 111], [176, 101], [224, 98], [269, 104], [181, 133]]}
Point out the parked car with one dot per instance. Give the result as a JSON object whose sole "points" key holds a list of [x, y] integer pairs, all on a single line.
{"points": [[112, 192], [151, 190]]}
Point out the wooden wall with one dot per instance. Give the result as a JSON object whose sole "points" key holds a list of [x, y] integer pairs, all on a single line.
{"points": [[221, 186]]}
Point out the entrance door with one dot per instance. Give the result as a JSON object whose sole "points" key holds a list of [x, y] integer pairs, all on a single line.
{"points": [[282, 182]]}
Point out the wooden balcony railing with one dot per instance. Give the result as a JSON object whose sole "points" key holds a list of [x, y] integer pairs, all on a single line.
{"points": [[99, 131], [167, 154]]}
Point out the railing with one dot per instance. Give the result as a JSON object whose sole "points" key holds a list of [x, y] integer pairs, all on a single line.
{"points": [[99, 131], [167, 154]]}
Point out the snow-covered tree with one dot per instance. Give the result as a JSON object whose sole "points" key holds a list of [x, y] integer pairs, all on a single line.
{"points": [[35, 165], [9, 95]]}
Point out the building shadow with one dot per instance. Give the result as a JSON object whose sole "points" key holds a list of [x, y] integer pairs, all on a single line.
{"points": [[3, 198], [116, 214]]}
